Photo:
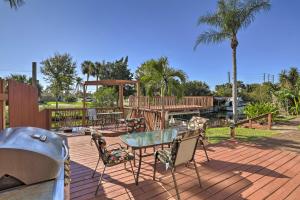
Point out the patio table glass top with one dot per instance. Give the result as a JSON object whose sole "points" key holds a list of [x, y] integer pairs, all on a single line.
{"points": [[149, 138]]}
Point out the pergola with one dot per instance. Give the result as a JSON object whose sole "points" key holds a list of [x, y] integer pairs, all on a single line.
{"points": [[120, 83]]}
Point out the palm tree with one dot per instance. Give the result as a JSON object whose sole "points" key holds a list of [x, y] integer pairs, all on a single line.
{"points": [[79, 84], [15, 3], [230, 17], [88, 69], [158, 74]]}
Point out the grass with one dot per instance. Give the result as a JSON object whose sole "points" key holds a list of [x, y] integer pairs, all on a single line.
{"points": [[284, 118], [216, 135], [52, 104]]}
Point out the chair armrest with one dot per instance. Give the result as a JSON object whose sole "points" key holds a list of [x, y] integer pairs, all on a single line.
{"points": [[114, 145]]}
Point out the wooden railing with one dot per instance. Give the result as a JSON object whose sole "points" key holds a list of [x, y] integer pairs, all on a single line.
{"points": [[170, 102], [72, 117], [267, 117]]}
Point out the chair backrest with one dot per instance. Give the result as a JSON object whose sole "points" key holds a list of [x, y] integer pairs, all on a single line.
{"points": [[136, 125], [92, 113], [184, 147], [198, 123], [101, 146]]}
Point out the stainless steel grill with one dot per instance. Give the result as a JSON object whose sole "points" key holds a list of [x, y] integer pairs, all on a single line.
{"points": [[30, 156]]}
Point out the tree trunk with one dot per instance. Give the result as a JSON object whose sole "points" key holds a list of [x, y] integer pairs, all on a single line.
{"points": [[56, 103], [234, 44]]}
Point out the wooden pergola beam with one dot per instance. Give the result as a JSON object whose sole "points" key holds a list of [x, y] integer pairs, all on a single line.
{"points": [[111, 82]]}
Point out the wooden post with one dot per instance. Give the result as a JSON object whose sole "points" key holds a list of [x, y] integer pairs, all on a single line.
{"points": [[269, 121], [232, 131], [121, 96], [84, 105], [138, 94], [3, 98], [33, 80]]}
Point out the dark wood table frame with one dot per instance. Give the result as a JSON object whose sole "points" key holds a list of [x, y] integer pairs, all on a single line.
{"points": [[140, 155]]}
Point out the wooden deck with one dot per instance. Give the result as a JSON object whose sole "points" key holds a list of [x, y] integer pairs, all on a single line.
{"points": [[236, 171]]}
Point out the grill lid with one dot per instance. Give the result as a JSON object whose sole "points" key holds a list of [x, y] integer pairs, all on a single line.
{"points": [[31, 155]]}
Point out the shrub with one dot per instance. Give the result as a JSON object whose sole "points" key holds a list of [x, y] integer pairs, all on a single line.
{"points": [[256, 109], [105, 97], [71, 98]]}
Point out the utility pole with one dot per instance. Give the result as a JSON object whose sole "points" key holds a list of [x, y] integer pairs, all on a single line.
{"points": [[33, 80], [273, 79], [229, 78], [264, 77]]}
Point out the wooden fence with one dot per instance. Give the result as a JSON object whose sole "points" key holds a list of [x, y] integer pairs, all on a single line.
{"points": [[3, 99], [72, 117], [22, 101], [170, 102], [249, 122]]}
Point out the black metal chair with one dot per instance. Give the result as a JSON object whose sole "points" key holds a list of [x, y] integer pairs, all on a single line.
{"points": [[181, 152], [110, 157]]}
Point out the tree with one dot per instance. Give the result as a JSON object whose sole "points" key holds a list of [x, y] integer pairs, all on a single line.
{"points": [[78, 84], [158, 76], [196, 88], [230, 17], [15, 3], [60, 72], [88, 68], [105, 96]]}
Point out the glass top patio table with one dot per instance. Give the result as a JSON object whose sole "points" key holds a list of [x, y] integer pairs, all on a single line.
{"points": [[138, 140]]}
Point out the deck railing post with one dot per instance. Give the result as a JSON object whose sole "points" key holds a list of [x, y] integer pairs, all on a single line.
{"points": [[269, 121]]}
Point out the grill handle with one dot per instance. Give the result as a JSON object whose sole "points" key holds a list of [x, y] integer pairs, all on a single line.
{"points": [[66, 150]]}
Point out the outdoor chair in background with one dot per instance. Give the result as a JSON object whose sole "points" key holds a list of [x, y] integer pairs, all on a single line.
{"points": [[110, 156], [136, 124], [181, 152], [92, 117], [200, 123]]}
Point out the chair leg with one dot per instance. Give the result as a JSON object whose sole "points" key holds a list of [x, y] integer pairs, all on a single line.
{"points": [[132, 171], [96, 168], [100, 181], [175, 183], [205, 152], [197, 172], [155, 162]]}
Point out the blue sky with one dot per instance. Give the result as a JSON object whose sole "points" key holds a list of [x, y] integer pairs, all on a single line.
{"points": [[109, 29]]}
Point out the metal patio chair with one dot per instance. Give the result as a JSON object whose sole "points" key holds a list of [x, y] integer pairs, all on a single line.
{"points": [[181, 152], [110, 157], [200, 123]]}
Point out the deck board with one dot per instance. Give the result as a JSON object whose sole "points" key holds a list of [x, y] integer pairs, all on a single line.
{"points": [[236, 171]]}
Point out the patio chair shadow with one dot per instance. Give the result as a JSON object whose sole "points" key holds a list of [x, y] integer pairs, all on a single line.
{"points": [[277, 143], [214, 165]]}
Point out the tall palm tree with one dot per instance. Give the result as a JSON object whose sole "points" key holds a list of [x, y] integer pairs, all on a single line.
{"points": [[230, 17], [88, 69], [15, 3]]}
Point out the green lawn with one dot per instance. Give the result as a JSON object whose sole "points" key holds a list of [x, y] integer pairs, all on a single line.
{"points": [[51, 104], [216, 135]]}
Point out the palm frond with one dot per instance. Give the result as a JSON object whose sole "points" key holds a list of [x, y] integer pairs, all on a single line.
{"points": [[15, 3], [211, 36], [210, 19], [250, 8]]}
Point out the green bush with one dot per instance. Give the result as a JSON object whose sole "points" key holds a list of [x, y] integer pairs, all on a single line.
{"points": [[71, 98], [105, 97], [256, 109]]}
